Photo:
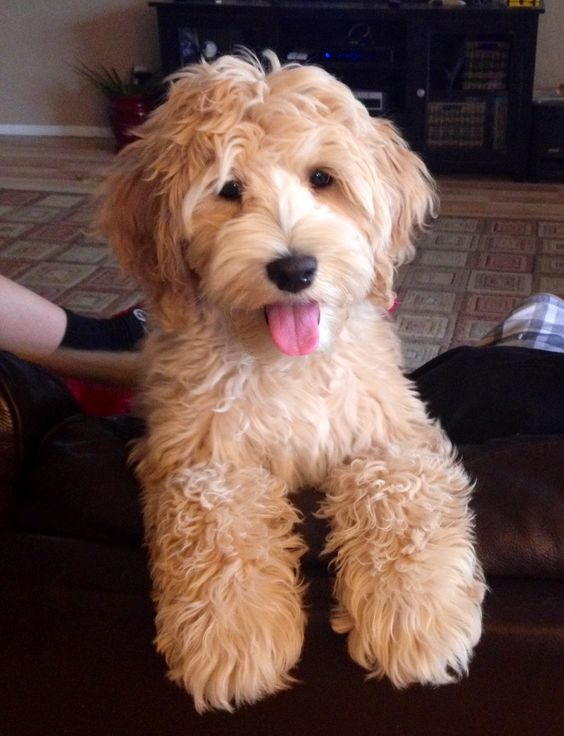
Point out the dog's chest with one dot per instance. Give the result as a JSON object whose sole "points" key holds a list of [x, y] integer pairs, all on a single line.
{"points": [[297, 422], [298, 418]]}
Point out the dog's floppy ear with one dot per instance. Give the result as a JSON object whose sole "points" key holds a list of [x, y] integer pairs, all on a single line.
{"points": [[141, 201], [411, 198], [134, 214]]}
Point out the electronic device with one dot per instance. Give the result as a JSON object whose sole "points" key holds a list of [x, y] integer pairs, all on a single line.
{"points": [[375, 101]]}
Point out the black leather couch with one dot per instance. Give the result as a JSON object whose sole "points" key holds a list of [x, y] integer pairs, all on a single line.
{"points": [[76, 619]]}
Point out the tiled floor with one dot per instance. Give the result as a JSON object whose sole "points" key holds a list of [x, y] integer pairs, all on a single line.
{"points": [[500, 198], [495, 242], [69, 165]]}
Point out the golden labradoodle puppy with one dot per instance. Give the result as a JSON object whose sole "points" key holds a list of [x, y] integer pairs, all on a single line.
{"points": [[265, 214]]}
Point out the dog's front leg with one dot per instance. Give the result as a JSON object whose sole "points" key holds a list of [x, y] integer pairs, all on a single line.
{"points": [[408, 584], [225, 567]]}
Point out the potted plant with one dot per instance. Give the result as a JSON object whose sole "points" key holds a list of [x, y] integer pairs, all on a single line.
{"points": [[130, 98]]}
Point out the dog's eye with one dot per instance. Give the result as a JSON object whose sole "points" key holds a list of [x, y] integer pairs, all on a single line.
{"points": [[320, 179], [231, 190]]}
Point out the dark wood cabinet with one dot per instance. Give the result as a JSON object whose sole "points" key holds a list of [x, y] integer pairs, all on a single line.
{"points": [[458, 81]]}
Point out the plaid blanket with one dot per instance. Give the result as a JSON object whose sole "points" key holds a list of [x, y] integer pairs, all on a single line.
{"points": [[537, 323]]}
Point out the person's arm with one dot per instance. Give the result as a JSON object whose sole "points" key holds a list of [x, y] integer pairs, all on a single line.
{"points": [[31, 327]]}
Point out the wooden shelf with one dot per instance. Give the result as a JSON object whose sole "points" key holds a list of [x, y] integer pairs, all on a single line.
{"points": [[409, 81]]}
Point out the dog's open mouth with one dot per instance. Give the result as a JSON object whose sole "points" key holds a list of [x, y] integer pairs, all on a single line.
{"points": [[294, 328]]}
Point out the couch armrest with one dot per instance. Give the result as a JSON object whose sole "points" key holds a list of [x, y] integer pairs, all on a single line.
{"points": [[32, 400], [519, 504]]}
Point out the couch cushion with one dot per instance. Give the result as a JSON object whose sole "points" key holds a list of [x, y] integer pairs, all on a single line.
{"points": [[519, 505], [31, 401], [482, 393], [81, 485]]}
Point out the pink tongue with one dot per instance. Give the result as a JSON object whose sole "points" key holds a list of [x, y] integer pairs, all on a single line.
{"points": [[294, 328]]}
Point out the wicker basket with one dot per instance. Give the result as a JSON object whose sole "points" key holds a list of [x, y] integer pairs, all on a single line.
{"points": [[486, 65], [456, 124]]}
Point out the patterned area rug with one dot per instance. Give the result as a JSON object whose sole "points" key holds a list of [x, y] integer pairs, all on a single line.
{"points": [[45, 244], [469, 272]]}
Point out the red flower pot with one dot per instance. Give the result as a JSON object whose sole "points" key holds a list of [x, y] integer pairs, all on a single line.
{"points": [[125, 114]]}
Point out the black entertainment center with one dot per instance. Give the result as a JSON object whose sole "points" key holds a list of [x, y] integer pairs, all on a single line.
{"points": [[458, 80]]}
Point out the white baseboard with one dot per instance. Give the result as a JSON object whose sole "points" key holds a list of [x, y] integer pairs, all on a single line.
{"points": [[70, 131]]}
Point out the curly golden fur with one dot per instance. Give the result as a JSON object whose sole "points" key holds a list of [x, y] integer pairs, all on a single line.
{"points": [[255, 386]]}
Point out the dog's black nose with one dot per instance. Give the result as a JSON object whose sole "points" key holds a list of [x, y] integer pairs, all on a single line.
{"points": [[292, 273]]}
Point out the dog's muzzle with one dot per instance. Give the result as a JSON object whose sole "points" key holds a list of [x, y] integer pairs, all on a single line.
{"points": [[292, 273]]}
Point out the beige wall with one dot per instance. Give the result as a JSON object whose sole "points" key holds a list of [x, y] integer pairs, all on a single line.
{"points": [[549, 69], [41, 39]]}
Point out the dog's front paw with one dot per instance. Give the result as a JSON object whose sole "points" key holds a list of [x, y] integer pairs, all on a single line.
{"points": [[424, 636], [408, 583], [234, 650]]}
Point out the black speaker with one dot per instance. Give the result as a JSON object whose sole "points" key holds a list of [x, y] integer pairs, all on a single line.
{"points": [[547, 145]]}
